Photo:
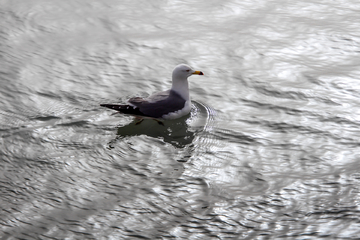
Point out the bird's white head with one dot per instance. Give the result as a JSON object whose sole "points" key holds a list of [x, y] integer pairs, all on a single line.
{"points": [[183, 71], [179, 79]]}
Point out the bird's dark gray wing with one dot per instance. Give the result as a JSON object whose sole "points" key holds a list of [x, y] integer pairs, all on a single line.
{"points": [[156, 109]]}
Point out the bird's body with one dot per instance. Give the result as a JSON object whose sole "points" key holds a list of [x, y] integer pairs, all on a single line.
{"points": [[170, 104]]}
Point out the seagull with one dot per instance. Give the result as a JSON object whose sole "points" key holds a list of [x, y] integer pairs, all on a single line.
{"points": [[170, 104]]}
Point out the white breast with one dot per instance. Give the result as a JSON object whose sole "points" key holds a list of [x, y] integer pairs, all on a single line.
{"points": [[179, 113]]}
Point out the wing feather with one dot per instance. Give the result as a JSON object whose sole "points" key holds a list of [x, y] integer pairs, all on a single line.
{"points": [[154, 106]]}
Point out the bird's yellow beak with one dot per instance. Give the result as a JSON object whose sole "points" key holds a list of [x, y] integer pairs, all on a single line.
{"points": [[198, 73]]}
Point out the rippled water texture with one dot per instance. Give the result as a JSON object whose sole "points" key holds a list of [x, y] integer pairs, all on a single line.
{"points": [[270, 149]]}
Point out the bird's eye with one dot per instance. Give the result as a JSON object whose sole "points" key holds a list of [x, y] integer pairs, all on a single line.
{"points": [[188, 70]]}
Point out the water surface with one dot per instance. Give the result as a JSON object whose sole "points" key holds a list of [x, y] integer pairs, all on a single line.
{"points": [[270, 149]]}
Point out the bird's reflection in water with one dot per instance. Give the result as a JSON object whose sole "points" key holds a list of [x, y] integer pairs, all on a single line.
{"points": [[175, 132]]}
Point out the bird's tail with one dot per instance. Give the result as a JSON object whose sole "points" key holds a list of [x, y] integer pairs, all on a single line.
{"points": [[127, 109]]}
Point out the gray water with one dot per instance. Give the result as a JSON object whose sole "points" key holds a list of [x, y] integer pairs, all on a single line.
{"points": [[270, 149]]}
